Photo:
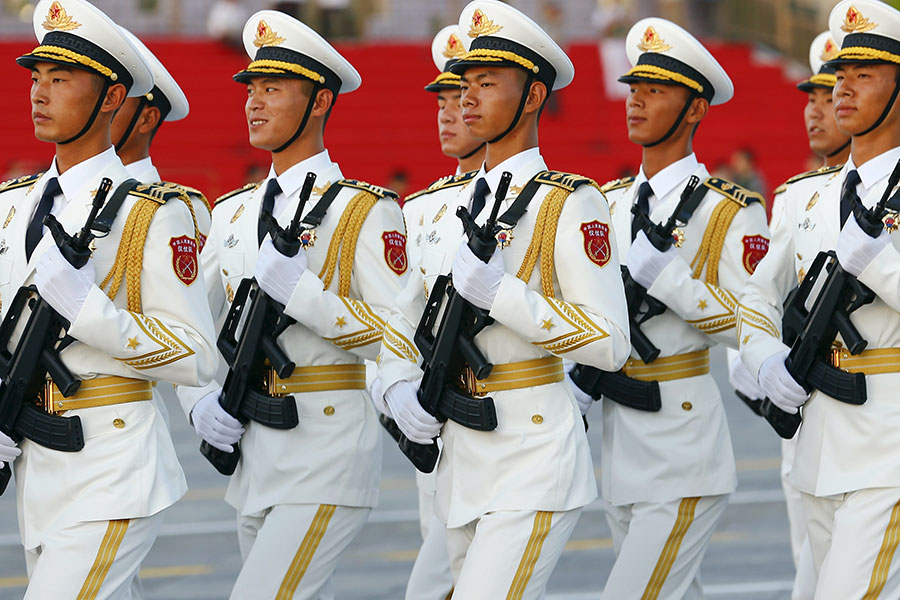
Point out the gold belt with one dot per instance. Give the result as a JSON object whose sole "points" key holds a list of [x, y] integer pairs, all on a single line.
{"points": [[667, 368], [513, 376], [323, 378], [101, 391], [870, 362]]}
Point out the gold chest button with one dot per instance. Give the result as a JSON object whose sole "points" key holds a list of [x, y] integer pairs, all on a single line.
{"points": [[537, 419], [118, 423], [329, 410], [686, 406]]}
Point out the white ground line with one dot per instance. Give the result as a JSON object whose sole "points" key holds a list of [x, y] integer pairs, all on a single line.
{"points": [[719, 589]]}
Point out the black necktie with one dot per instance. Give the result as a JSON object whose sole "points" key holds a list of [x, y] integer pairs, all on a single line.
{"points": [[478, 198], [849, 197], [643, 206], [35, 230], [268, 205]]}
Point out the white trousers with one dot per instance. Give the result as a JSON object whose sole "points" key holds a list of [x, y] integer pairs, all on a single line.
{"points": [[92, 560], [854, 539], [508, 554], [805, 568], [659, 547], [430, 578], [290, 551]]}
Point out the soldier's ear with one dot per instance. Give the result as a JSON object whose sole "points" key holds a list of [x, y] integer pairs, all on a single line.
{"points": [[323, 102], [699, 109], [115, 98], [537, 95], [150, 120]]}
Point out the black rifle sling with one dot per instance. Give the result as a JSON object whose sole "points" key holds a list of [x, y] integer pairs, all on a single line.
{"points": [[103, 222], [315, 217], [687, 211]]}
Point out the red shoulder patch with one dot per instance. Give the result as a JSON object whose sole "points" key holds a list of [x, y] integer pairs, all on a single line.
{"points": [[395, 251], [184, 258], [755, 247], [596, 242]]}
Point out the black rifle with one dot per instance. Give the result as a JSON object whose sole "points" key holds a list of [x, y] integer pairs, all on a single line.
{"points": [[24, 370], [641, 308], [447, 352], [251, 352], [840, 293]]}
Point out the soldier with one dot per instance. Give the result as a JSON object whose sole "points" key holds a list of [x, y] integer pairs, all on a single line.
{"points": [[136, 124], [667, 467], [88, 518], [430, 577], [846, 463], [303, 494], [511, 497]]}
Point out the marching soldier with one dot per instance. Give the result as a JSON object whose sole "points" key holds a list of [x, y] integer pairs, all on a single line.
{"points": [[511, 497], [88, 518], [303, 494], [667, 466], [430, 577], [136, 124], [846, 463]]}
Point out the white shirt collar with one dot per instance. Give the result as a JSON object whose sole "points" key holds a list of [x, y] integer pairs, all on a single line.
{"points": [[668, 179], [513, 164], [292, 180], [143, 170], [72, 181], [874, 170]]}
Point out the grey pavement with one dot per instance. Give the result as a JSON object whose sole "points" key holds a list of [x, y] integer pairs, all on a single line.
{"points": [[197, 555]]}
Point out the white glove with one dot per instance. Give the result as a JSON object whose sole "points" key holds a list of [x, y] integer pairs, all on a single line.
{"points": [[645, 262], [779, 386], [278, 274], [411, 418], [856, 248], [8, 450], [64, 287], [376, 391], [743, 381], [211, 422], [477, 281]]}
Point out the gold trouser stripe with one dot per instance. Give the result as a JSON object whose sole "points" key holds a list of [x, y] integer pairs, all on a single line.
{"points": [[539, 533], [670, 550], [305, 552], [870, 362], [885, 555], [104, 391], [667, 368], [517, 375], [115, 533], [321, 379]]}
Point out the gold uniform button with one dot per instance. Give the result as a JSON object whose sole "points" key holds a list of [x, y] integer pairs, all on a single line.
{"points": [[118, 423], [687, 406], [329, 410], [537, 419]]}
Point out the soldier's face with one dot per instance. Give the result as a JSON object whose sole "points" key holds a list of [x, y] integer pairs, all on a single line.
{"points": [[490, 98], [861, 94], [62, 100], [455, 138], [274, 109], [651, 109], [821, 126]]}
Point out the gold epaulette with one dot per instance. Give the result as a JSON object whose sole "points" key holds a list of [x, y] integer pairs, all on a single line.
{"points": [[158, 192], [237, 192], [190, 192], [567, 181], [19, 182], [616, 184], [733, 191], [814, 173], [443, 183], [377, 191]]}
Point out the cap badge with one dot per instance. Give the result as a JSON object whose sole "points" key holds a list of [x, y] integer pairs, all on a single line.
{"points": [[454, 47], [481, 25], [265, 36], [58, 20], [829, 51], [854, 22], [651, 42]]}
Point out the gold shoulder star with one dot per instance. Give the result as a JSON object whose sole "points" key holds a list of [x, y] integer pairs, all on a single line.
{"points": [[548, 324], [133, 343], [701, 305], [341, 321]]}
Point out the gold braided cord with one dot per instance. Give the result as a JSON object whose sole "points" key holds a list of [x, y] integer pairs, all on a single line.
{"points": [[534, 247], [824, 79], [343, 241], [446, 79], [499, 55], [56, 53], [710, 250], [130, 255], [864, 53], [543, 241], [269, 66], [660, 73]]}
